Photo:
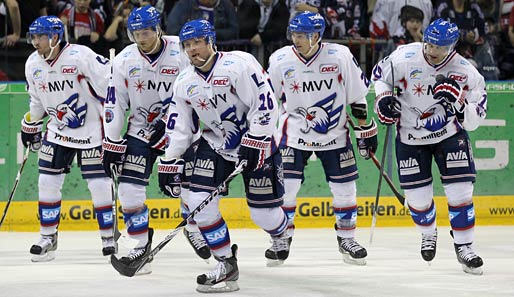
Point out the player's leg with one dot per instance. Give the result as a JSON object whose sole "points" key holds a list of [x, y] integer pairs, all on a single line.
{"points": [[341, 172], [133, 180], [415, 171], [209, 171], [54, 163], [458, 174], [100, 188], [191, 230]]}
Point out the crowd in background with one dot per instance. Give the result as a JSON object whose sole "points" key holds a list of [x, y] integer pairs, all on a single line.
{"points": [[486, 26]]}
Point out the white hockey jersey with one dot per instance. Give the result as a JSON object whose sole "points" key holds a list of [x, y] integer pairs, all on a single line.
{"points": [[71, 90], [142, 86], [235, 97], [425, 120], [315, 94]]}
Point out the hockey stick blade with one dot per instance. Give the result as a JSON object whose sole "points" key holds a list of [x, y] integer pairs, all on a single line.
{"points": [[131, 269]]}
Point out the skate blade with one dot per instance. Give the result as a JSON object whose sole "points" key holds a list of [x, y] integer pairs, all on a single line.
{"points": [[274, 263], [222, 287], [146, 269], [47, 257], [471, 270], [353, 261]]}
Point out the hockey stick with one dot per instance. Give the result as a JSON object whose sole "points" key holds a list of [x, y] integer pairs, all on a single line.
{"points": [[114, 205], [377, 197], [16, 181], [132, 268], [398, 195]]}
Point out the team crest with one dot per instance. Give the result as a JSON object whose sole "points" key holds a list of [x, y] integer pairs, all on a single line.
{"points": [[435, 116], [67, 114], [151, 114], [321, 117]]}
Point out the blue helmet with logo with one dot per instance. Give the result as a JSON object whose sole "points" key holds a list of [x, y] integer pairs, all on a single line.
{"points": [[143, 17], [48, 25], [307, 22], [441, 33], [198, 29]]}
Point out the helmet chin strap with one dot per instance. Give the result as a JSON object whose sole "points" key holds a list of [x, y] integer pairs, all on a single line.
{"points": [[208, 60], [52, 48], [157, 43]]}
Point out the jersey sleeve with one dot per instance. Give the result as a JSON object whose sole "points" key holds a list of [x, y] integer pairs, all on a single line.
{"points": [[179, 120], [276, 79], [476, 109], [254, 89], [96, 69], [356, 82], [36, 108], [116, 102]]}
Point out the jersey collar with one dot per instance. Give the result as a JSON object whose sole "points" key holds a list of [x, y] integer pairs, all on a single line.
{"points": [[208, 74], [443, 62], [152, 59], [309, 61]]}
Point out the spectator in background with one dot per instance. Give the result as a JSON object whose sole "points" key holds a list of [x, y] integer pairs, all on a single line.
{"points": [[411, 19], [220, 13], [343, 18], [116, 33], [299, 6], [248, 15], [385, 20], [506, 49], [85, 25], [472, 44], [13, 17]]}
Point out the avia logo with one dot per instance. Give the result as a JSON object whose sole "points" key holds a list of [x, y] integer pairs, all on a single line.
{"points": [[220, 81], [215, 236], [205, 164], [260, 182], [328, 68], [408, 163], [169, 70], [346, 156], [138, 160], [69, 69], [458, 77], [460, 155], [88, 154]]}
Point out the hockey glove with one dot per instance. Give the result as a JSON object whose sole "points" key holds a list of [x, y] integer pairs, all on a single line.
{"points": [[113, 154], [367, 139], [31, 132], [159, 139], [170, 176], [254, 150], [388, 109], [449, 90]]}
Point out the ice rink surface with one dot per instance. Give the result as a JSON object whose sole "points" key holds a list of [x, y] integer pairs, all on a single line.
{"points": [[314, 267]]}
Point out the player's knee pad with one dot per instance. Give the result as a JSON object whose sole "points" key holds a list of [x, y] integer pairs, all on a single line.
{"points": [[345, 194], [100, 189], [291, 188], [210, 214], [137, 221], [216, 234], [459, 193], [420, 198], [50, 186], [132, 196], [272, 220], [424, 217], [462, 217]]}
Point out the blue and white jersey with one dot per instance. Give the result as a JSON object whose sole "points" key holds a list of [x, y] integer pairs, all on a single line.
{"points": [[315, 94], [70, 90], [142, 86], [425, 120], [234, 98]]}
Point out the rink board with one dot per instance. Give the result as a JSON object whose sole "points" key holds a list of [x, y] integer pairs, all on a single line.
{"points": [[310, 213]]}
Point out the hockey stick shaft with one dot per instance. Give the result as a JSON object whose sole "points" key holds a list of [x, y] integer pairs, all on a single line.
{"points": [[130, 271], [114, 205], [397, 193], [16, 181]]}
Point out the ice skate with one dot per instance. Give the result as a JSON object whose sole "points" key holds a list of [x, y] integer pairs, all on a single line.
{"points": [[110, 246], [44, 250], [198, 243], [353, 252], [135, 255], [428, 246], [223, 278], [471, 262], [279, 250]]}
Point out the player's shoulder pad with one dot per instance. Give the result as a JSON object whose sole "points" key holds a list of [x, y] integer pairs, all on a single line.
{"points": [[407, 51], [281, 54], [173, 44]]}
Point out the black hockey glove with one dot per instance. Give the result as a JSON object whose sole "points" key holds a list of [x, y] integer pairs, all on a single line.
{"points": [[367, 139], [388, 109], [170, 176], [449, 90], [158, 141], [254, 150], [113, 155], [31, 132]]}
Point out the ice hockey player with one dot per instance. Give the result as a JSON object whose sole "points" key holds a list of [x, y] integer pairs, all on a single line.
{"points": [[229, 92], [440, 96], [316, 81], [67, 82]]}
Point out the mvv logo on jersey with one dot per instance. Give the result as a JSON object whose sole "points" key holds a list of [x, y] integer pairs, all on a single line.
{"points": [[69, 69], [169, 70], [328, 68]]}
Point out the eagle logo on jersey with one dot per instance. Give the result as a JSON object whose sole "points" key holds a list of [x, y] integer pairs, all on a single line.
{"points": [[232, 128], [67, 114], [321, 117], [435, 117], [151, 115]]}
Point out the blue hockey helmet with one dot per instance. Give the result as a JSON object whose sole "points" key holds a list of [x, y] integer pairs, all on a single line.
{"points": [[441, 33], [143, 17], [199, 28], [48, 25], [307, 22]]}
